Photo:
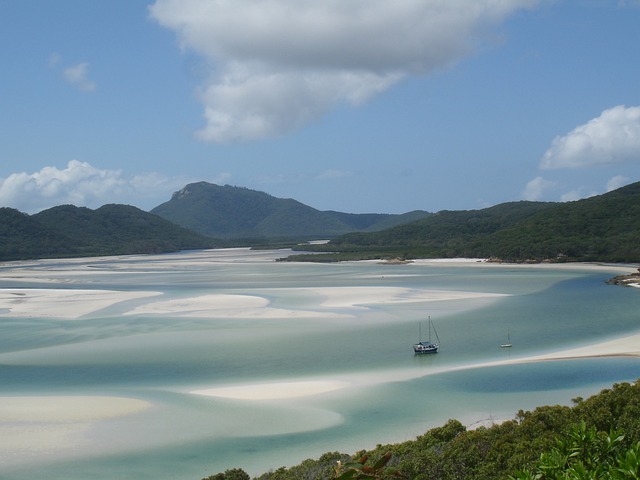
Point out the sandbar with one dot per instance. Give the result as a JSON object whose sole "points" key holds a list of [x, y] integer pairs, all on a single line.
{"points": [[274, 391], [61, 303], [224, 306], [315, 302], [33, 426], [623, 346]]}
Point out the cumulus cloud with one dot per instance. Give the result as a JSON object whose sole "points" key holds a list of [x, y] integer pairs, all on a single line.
{"points": [[78, 76], [617, 182], [577, 194], [613, 137], [537, 188], [278, 65], [81, 184]]}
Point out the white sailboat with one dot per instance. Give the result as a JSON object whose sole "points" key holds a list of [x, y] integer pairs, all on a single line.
{"points": [[508, 344], [428, 346]]}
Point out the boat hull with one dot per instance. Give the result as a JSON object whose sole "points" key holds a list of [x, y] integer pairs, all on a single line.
{"points": [[424, 349], [425, 352]]}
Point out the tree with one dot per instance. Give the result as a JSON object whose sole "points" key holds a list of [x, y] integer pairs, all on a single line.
{"points": [[231, 474], [586, 454]]}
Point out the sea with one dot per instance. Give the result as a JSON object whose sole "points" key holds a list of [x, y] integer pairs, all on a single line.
{"points": [[348, 324]]}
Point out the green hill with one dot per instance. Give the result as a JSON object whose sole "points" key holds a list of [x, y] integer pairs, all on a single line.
{"points": [[229, 212], [22, 237], [600, 228], [69, 231]]}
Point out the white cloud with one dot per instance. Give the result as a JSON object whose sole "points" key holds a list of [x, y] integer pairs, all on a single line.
{"points": [[280, 64], [536, 189], [613, 137], [617, 182], [577, 194], [81, 184], [78, 76]]}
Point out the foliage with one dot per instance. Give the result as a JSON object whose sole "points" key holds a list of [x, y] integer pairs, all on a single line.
{"points": [[602, 436], [601, 228], [232, 213], [361, 470], [585, 453], [231, 474], [309, 469], [69, 231]]}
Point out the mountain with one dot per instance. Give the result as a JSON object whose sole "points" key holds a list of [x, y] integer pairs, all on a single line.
{"points": [[599, 228], [69, 231], [230, 212], [22, 237]]}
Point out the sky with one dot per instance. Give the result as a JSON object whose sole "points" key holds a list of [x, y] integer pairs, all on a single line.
{"points": [[359, 106]]}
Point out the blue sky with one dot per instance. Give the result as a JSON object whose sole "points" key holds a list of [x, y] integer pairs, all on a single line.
{"points": [[349, 105]]}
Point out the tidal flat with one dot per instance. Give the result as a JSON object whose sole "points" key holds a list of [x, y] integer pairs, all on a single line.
{"points": [[183, 365]]}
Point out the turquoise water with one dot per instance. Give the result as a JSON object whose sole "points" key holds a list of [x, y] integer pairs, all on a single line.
{"points": [[160, 357]]}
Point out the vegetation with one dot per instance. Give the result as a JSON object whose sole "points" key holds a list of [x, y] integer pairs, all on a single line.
{"points": [[595, 438], [601, 228], [231, 213], [68, 231], [585, 453]]}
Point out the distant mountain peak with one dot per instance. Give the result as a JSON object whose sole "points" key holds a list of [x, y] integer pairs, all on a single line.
{"points": [[231, 212]]}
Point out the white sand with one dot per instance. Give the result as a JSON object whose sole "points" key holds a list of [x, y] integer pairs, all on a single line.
{"points": [[274, 391], [32, 427], [224, 306], [350, 297], [320, 302], [60, 303], [624, 346]]}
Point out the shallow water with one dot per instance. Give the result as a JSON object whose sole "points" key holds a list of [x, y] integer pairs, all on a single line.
{"points": [[309, 333]]}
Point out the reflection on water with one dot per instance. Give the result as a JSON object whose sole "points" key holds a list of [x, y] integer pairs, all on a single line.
{"points": [[350, 323]]}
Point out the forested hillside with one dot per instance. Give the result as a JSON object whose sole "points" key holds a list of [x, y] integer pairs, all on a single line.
{"points": [[596, 438], [69, 231], [600, 228], [230, 212]]}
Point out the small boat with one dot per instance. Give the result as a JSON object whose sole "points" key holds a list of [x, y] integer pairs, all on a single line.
{"points": [[508, 344], [428, 346]]}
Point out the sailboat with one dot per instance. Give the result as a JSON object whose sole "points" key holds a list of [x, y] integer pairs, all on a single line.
{"points": [[508, 344], [428, 346]]}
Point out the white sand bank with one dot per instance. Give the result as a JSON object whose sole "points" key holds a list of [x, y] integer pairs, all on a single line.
{"points": [[60, 303], [274, 391], [350, 297], [224, 306], [624, 346], [319, 302], [32, 427]]}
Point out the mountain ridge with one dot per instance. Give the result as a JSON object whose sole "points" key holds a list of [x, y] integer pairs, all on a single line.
{"points": [[600, 228], [230, 212], [69, 231]]}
